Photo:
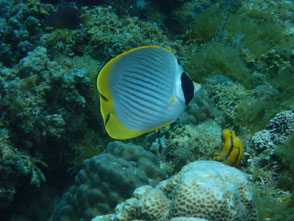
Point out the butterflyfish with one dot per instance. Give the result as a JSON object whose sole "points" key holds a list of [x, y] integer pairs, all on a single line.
{"points": [[141, 90], [232, 149]]}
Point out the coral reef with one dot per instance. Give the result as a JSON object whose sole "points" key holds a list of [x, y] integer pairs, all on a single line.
{"points": [[178, 19], [34, 62], [21, 28], [105, 35], [107, 179], [240, 51], [200, 110], [202, 189], [276, 132], [43, 104], [64, 42], [268, 160], [228, 46], [228, 96], [146, 161], [187, 143], [129, 33], [30, 105], [15, 166], [264, 145]]}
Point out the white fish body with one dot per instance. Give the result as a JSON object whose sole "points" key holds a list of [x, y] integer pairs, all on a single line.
{"points": [[144, 87]]}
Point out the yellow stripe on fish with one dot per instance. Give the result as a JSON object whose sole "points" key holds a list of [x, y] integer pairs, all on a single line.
{"points": [[232, 149], [141, 90]]}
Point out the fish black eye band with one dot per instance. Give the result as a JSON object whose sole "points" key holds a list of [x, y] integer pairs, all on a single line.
{"points": [[188, 88]]}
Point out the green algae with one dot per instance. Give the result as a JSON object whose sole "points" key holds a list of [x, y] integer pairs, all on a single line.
{"points": [[205, 26], [286, 153], [214, 58], [277, 201], [255, 30], [271, 206], [250, 46], [269, 100], [90, 145]]}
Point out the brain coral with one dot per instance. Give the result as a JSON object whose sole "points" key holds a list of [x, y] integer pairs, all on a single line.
{"points": [[202, 190], [106, 180]]}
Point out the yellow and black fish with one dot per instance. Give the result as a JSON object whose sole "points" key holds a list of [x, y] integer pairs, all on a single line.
{"points": [[141, 90], [232, 149]]}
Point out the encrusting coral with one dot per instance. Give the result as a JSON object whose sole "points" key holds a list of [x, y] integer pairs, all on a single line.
{"points": [[206, 190]]}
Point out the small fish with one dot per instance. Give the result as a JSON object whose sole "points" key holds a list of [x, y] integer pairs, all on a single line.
{"points": [[67, 17], [232, 149], [141, 90]]}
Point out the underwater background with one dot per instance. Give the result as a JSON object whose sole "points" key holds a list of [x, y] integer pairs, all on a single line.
{"points": [[57, 161]]}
